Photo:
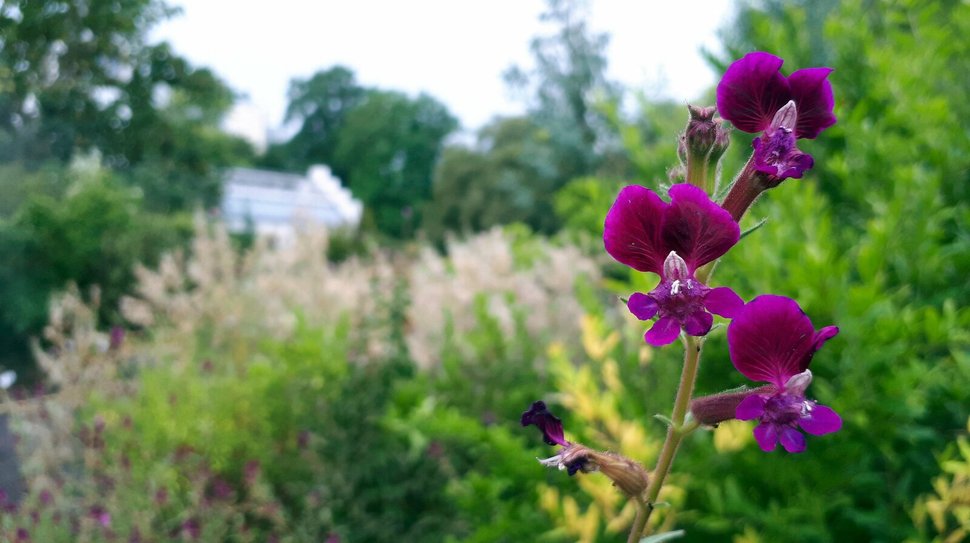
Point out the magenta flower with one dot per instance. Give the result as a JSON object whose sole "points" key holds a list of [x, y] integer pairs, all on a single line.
{"points": [[753, 90], [551, 428], [771, 340], [672, 240], [776, 152], [756, 97]]}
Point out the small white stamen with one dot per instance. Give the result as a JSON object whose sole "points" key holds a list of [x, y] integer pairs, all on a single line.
{"points": [[675, 287]]}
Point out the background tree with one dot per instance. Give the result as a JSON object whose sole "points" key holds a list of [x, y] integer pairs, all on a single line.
{"points": [[387, 150], [80, 76], [509, 176], [519, 164], [319, 104], [562, 90], [79, 83]]}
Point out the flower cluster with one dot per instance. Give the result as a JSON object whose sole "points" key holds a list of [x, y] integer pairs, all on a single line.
{"points": [[771, 340]]}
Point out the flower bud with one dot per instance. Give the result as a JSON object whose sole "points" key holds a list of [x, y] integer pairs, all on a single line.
{"points": [[701, 130], [705, 138], [682, 149], [717, 408], [722, 139]]}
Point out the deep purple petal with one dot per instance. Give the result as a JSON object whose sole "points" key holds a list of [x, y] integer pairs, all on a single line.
{"points": [[777, 155], [824, 335], [821, 420], [766, 434], [642, 306], [770, 339], [751, 91], [576, 465], [549, 424], [812, 92], [631, 232], [751, 407], [663, 332], [791, 439], [723, 301], [698, 323], [696, 227]]}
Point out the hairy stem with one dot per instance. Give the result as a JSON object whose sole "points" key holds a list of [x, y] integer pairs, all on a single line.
{"points": [[745, 190], [675, 433], [638, 522], [697, 173]]}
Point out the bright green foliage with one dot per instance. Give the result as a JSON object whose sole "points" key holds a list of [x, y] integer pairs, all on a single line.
{"points": [[875, 239]]}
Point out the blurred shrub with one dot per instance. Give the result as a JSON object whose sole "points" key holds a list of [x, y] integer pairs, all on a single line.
{"points": [[93, 235], [948, 508]]}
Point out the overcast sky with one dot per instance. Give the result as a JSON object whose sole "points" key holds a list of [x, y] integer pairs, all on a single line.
{"points": [[452, 49]]}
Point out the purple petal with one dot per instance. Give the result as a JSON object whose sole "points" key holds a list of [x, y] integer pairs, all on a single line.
{"points": [[812, 92], [751, 91], [820, 421], [642, 306], [723, 301], [770, 339], [697, 228], [751, 408], [576, 465], [663, 332], [824, 335], [792, 440], [766, 434], [777, 155], [549, 424], [631, 232], [698, 323]]}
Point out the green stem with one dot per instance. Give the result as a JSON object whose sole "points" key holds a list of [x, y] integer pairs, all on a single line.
{"points": [[638, 522], [701, 173], [675, 433]]}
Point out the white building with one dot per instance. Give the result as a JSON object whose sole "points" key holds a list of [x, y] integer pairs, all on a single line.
{"points": [[275, 203]]}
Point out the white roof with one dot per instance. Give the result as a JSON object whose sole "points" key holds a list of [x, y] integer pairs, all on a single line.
{"points": [[276, 201]]}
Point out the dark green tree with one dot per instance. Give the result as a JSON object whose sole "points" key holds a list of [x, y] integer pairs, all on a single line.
{"points": [[80, 76], [91, 235], [319, 104], [386, 151], [510, 176]]}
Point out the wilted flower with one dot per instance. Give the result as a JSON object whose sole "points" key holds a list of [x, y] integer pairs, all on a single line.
{"points": [[572, 457], [771, 340], [627, 475], [672, 240]]}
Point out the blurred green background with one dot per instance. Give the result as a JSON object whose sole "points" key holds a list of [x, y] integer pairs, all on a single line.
{"points": [[366, 385]]}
